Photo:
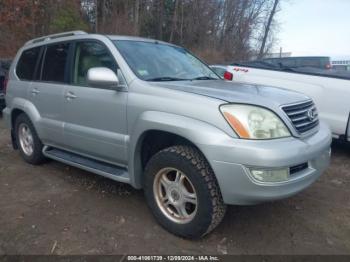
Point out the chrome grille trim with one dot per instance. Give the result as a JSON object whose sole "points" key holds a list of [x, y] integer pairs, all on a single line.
{"points": [[300, 115]]}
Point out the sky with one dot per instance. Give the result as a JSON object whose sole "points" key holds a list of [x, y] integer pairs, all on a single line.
{"points": [[314, 27]]}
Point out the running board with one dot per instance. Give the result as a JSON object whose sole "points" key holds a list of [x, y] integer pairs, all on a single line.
{"points": [[98, 167]]}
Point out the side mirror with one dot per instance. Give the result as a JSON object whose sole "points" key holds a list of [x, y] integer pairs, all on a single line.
{"points": [[102, 77]]}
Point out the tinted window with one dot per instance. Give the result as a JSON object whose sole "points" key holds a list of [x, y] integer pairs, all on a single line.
{"points": [[55, 63], [26, 64], [89, 55]]}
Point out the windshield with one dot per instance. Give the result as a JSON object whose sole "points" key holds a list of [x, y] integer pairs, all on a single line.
{"points": [[153, 61]]}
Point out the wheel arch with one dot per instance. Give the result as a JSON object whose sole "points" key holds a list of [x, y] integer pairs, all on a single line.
{"points": [[151, 142], [165, 130], [21, 106], [14, 114]]}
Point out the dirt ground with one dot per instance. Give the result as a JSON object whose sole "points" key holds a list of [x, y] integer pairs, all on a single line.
{"points": [[56, 209]]}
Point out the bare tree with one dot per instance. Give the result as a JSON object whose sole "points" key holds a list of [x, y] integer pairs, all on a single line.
{"points": [[216, 30], [267, 28], [137, 17], [174, 22]]}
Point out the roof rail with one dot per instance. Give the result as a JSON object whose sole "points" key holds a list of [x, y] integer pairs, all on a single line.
{"points": [[54, 36]]}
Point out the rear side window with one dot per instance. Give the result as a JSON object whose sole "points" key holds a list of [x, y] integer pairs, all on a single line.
{"points": [[55, 63], [26, 64]]}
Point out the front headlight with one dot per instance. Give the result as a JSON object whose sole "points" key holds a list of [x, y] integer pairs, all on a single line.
{"points": [[253, 122]]}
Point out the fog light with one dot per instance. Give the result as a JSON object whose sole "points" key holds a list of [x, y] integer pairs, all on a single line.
{"points": [[273, 175]]}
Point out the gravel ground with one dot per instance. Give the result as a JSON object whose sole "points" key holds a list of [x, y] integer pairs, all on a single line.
{"points": [[56, 209]]}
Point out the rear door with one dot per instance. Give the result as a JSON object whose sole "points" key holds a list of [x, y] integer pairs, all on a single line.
{"points": [[95, 117], [47, 92]]}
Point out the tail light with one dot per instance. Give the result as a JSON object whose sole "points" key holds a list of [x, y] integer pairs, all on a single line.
{"points": [[228, 76]]}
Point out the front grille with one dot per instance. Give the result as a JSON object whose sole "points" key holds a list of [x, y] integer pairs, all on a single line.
{"points": [[304, 116]]}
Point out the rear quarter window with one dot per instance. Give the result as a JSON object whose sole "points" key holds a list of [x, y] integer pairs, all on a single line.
{"points": [[26, 64]]}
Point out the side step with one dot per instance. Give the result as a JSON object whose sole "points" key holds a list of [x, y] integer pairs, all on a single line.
{"points": [[98, 167]]}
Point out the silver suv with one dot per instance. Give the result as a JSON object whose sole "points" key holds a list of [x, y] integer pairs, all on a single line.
{"points": [[152, 115]]}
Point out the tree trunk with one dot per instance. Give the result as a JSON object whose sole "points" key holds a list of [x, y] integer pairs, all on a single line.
{"points": [[96, 16], [137, 17], [267, 29], [174, 24], [182, 23], [161, 19], [103, 15]]}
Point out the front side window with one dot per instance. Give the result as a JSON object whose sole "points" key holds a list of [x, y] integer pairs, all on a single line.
{"points": [[55, 63], [153, 61], [26, 64], [89, 55]]}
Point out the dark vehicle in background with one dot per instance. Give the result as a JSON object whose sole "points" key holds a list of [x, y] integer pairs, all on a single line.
{"points": [[320, 62], [4, 67]]}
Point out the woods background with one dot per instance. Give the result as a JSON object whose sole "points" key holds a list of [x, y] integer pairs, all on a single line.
{"points": [[218, 31]]}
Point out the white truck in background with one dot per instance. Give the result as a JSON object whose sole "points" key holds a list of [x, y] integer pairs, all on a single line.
{"points": [[329, 89]]}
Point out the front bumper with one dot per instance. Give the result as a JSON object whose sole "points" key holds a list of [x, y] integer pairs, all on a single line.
{"points": [[231, 158]]}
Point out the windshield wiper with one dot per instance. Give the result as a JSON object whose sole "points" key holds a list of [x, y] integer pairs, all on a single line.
{"points": [[165, 78], [204, 78]]}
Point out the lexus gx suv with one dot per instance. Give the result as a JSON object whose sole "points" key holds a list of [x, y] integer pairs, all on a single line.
{"points": [[151, 114]]}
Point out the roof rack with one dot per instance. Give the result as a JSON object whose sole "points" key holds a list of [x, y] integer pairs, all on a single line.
{"points": [[54, 36]]}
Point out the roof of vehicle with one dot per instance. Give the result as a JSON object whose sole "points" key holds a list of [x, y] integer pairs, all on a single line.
{"points": [[135, 38], [48, 38]]}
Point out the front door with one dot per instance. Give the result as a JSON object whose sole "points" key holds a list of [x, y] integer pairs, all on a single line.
{"points": [[95, 118]]}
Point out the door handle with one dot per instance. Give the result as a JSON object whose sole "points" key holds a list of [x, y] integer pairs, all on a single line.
{"points": [[70, 95], [35, 91]]}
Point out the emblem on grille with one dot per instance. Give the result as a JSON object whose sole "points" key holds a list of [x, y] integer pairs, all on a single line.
{"points": [[311, 114]]}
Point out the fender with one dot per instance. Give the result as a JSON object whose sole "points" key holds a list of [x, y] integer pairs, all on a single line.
{"points": [[24, 106], [28, 108], [198, 132]]}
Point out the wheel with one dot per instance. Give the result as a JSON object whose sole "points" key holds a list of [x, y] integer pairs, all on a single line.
{"points": [[182, 192], [28, 141]]}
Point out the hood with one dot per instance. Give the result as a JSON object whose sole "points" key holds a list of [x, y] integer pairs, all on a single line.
{"points": [[237, 92]]}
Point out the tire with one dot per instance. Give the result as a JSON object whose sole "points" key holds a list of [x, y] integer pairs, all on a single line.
{"points": [[195, 172], [34, 156]]}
